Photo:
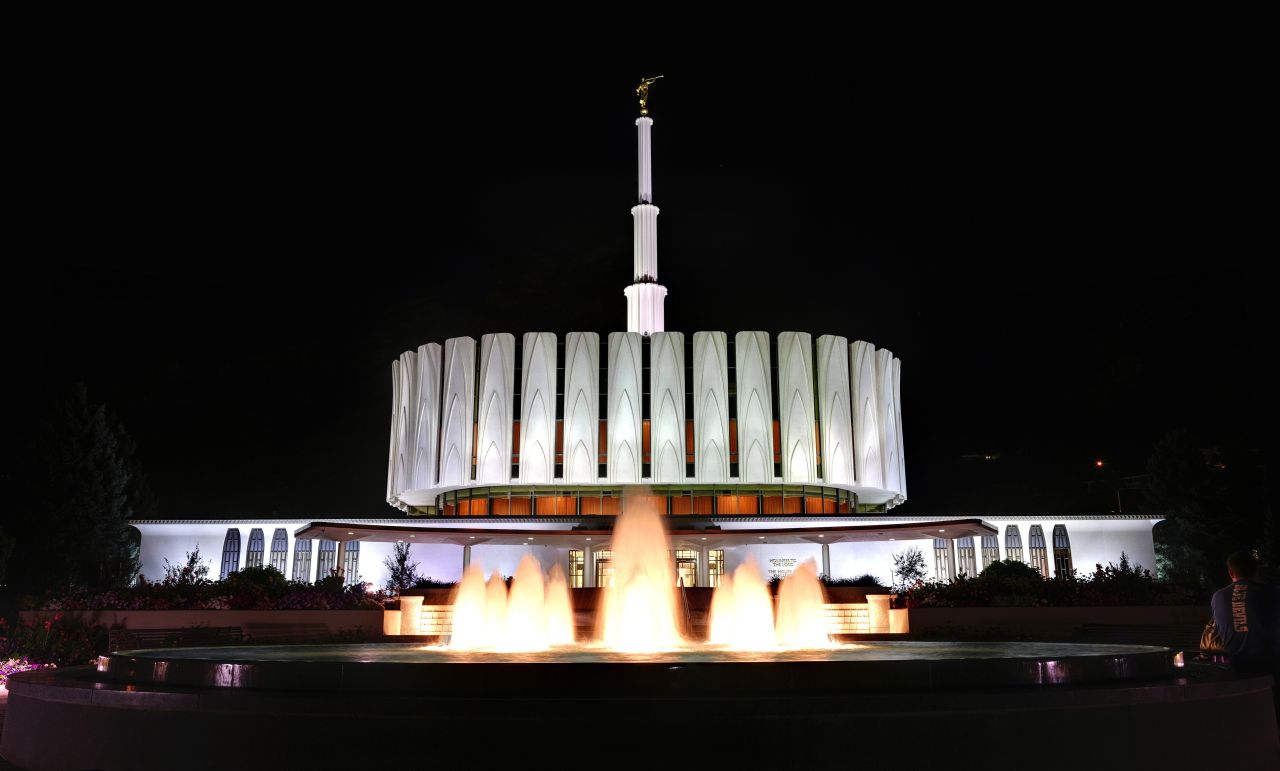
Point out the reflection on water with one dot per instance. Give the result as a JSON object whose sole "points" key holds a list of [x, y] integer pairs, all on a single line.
{"points": [[585, 654]]}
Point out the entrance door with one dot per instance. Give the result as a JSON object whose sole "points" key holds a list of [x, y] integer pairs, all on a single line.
{"points": [[686, 567]]}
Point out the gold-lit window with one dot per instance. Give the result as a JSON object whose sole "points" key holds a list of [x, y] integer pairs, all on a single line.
{"points": [[604, 568], [715, 566], [577, 568]]}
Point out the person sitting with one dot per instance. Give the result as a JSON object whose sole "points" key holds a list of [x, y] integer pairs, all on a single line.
{"points": [[1247, 616]]}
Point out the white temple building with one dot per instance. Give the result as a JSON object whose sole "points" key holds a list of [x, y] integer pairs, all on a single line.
{"points": [[773, 446]]}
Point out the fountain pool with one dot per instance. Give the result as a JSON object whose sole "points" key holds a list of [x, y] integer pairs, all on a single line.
{"points": [[512, 688]]}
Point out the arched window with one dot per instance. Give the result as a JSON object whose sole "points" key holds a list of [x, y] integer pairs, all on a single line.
{"points": [[279, 549], [351, 565], [302, 560], [1039, 554], [253, 556], [230, 552], [1061, 552], [1012, 543], [966, 560], [942, 559], [990, 550], [326, 558]]}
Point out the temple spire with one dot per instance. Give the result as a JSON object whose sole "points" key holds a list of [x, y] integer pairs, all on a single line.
{"points": [[645, 296]]}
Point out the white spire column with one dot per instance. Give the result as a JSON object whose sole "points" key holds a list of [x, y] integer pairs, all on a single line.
{"points": [[645, 296]]}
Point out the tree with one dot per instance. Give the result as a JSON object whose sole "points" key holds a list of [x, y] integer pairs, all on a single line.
{"points": [[908, 568], [74, 531], [403, 573], [1210, 498]]}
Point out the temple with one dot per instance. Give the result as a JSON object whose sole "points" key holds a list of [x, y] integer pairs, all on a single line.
{"points": [[778, 447]]}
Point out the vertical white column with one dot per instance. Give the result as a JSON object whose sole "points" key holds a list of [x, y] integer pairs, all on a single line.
{"points": [[394, 452], [406, 421], [710, 407], [666, 406], [538, 408], [645, 296], [588, 567], [868, 469], [644, 222], [625, 395], [826, 560], [833, 410], [466, 557], [887, 420], [342, 560], [497, 379], [897, 406], [581, 408], [795, 404], [457, 416], [704, 567], [755, 407], [644, 146], [426, 433]]}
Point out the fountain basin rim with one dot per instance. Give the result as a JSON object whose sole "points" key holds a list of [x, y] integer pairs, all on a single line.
{"points": [[839, 671]]}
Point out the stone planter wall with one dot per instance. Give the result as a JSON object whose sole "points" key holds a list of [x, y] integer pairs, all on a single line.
{"points": [[1049, 623], [332, 621]]}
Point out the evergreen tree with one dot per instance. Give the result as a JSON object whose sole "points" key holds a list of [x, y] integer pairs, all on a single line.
{"points": [[1212, 506], [86, 485]]}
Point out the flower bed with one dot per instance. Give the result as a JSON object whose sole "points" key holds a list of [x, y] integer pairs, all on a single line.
{"points": [[250, 589], [16, 664], [1010, 583], [35, 643]]}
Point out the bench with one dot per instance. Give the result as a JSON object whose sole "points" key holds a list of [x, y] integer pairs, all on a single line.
{"points": [[126, 639], [293, 633]]}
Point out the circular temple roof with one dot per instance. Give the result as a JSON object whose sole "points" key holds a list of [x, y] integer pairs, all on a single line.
{"points": [[706, 410]]}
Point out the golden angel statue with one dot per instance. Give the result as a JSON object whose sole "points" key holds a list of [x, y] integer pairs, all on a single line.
{"points": [[642, 91]]}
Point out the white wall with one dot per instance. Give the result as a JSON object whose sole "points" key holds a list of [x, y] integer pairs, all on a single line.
{"points": [[736, 555], [1092, 542], [505, 559], [1096, 542], [850, 560], [173, 540]]}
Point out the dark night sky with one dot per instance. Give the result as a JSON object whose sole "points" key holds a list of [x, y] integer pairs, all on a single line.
{"points": [[1051, 240]]}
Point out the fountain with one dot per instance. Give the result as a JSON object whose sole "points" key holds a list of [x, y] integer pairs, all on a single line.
{"points": [[764, 686], [639, 612]]}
